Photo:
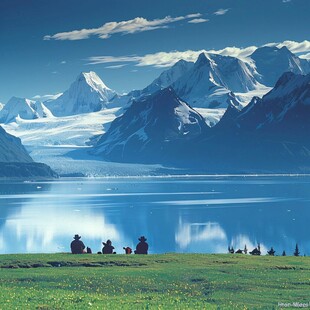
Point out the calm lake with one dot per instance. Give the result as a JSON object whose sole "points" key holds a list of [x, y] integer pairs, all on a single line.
{"points": [[201, 214]]}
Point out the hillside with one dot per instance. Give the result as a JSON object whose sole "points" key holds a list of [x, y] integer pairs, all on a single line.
{"points": [[15, 161], [168, 281]]}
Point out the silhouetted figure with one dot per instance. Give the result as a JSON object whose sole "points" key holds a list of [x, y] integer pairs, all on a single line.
{"points": [[239, 252], [88, 250], [231, 250], [245, 249], [256, 251], [283, 253], [128, 250], [142, 246], [77, 246], [108, 247], [296, 253], [271, 252]]}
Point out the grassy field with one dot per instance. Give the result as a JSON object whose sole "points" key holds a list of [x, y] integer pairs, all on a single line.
{"points": [[167, 281]]}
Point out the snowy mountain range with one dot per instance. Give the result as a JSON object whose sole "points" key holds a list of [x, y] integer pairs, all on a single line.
{"points": [[23, 108], [86, 94], [172, 115], [250, 140], [213, 80], [269, 134], [207, 83]]}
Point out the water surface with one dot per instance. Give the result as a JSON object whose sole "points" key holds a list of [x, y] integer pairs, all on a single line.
{"points": [[177, 214]]}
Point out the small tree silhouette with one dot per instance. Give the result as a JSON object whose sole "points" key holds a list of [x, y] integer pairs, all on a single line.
{"points": [[283, 253], [245, 250], [296, 253], [271, 252], [231, 250]]}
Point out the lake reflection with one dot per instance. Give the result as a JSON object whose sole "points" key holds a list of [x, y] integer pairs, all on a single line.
{"points": [[176, 214]]}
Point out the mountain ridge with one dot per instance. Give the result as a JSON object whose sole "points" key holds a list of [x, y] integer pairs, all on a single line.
{"points": [[150, 124]]}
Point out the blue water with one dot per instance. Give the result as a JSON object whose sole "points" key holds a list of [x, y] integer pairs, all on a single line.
{"points": [[176, 214]]}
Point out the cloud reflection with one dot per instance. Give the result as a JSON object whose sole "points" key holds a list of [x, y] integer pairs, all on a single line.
{"points": [[191, 233], [52, 230], [210, 237]]}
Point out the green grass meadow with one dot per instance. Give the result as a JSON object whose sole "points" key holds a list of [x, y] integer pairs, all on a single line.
{"points": [[165, 281]]}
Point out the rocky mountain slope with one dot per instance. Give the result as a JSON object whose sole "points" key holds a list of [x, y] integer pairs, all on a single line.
{"points": [[15, 160]]}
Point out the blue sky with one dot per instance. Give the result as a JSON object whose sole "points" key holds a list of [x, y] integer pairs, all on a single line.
{"points": [[45, 44]]}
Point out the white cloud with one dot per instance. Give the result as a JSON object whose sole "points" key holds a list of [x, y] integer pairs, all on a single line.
{"points": [[296, 47], [167, 59], [138, 24], [196, 15], [306, 56], [63, 62], [46, 97], [110, 59], [221, 12], [233, 51], [164, 59], [115, 66], [286, 1], [161, 59], [198, 20]]}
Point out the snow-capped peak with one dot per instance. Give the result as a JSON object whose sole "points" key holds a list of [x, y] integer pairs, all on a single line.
{"points": [[86, 94], [93, 80], [23, 108], [212, 78]]}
